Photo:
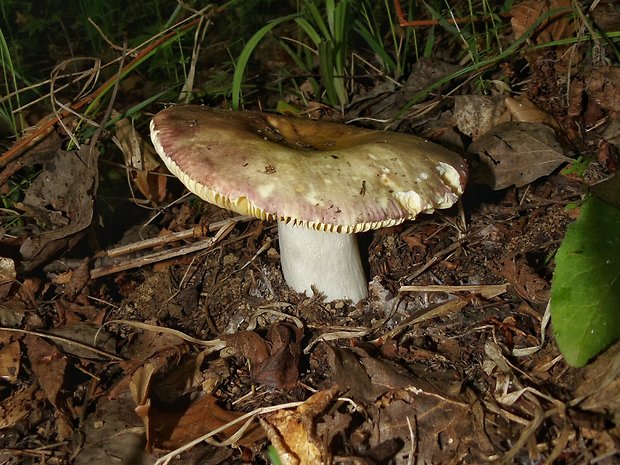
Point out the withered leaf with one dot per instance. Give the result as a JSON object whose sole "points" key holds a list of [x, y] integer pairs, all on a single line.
{"points": [[48, 365], [172, 425], [113, 430], [85, 333], [62, 197], [476, 114], [10, 361], [430, 406], [145, 166], [293, 432], [19, 405], [556, 26], [274, 360], [599, 383], [7, 276], [526, 13], [515, 154], [603, 86], [349, 373], [525, 281]]}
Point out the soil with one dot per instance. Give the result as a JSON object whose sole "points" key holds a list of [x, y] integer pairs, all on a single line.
{"points": [[129, 358]]}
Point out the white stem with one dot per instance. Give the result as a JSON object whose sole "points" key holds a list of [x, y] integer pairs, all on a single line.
{"points": [[328, 261]]}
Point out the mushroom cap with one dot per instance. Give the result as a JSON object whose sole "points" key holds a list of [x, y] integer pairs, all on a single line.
{"points": [[321, 175]]}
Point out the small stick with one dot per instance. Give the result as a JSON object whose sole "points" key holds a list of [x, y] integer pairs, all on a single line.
{"points": [[161, 255], [487, 291], [198, 231]]}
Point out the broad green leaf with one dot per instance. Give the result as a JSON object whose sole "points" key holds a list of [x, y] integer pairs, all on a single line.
{"points": [[585, 293]]}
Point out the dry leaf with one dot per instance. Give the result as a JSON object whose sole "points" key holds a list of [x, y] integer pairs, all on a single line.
{"points": [[525, 111], [49, 365], [523, 279], [7, 276], [86, 333], [526, 13], [606, 15], [293, 432], [141, 158], [409, 405], [476, 114], [515, 154], [10, 362], [274, 361], [61, 197], [174, 425], [555, 27], [349, 373], [113, 433], [19, 405], [603, 86], [599, 383]]}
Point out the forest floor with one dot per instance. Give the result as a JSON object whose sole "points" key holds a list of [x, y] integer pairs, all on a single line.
{"points": [[120, 345]]}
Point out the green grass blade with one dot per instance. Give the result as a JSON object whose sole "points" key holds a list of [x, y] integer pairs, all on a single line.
{"points": [[310, 31], [316, 17], [9, 84], [244, 57], [377, 47]]}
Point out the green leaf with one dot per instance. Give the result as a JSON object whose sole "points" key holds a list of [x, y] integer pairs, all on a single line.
{"points": [[585, 293]]}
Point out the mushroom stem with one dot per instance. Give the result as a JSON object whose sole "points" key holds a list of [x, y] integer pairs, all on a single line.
{"points": [[328, 261]]}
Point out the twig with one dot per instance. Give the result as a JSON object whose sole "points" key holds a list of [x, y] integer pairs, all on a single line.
{"points": [[451, 306], [486, 290], [198, 231], [161, 255], [438, 256]]}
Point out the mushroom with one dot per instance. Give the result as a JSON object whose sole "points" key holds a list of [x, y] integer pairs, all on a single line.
{"points": [[323, 182]]}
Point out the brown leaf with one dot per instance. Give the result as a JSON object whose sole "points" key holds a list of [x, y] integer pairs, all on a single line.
{"points": [[170, 424], [113, 430], [7, 276], [476, 114], [349, 373], [61, 197], [599, 383], [515, 154], [10, 356], [443, 428], [141, 158], [606, 15], [603, 86], [173, 425], [526, 13], [274, 361], [49, 365], [525, 281], [525, 111], [19, 405], [86, 333], [441, 422], [557, 26], [293, 432]]}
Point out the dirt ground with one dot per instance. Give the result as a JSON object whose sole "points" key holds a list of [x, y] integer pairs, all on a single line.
{"points": [[161, 330]]}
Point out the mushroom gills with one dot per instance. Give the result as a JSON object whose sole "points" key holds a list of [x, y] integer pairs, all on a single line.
{"points": [[328, 261]]}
